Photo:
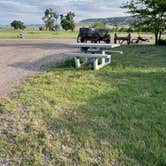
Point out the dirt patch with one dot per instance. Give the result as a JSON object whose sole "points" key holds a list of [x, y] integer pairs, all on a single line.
{"points": [[20, 58]]}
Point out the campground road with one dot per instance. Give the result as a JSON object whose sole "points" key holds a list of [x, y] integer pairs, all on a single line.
{"points": [[20, 58]]}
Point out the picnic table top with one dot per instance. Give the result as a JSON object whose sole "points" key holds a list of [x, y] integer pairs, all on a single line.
{"points": [[96, 45]]}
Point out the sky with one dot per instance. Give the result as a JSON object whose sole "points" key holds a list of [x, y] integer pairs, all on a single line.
{"points": [[31, 11]]}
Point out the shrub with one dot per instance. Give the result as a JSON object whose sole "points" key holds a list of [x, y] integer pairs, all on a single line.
{"points": [[162, 42], [18, 25]]}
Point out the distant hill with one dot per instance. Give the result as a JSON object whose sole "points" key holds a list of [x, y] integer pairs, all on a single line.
{"points": [[27, 26], [34, 25], [112, 21]]}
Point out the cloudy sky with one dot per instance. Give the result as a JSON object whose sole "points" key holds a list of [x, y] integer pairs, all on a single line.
{"points": [[31, 11]]}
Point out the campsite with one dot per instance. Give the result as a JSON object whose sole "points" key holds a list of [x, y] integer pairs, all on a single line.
{"points": [[85, 92]]}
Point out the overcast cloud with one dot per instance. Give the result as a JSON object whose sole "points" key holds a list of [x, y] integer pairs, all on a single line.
{"points": [[31, 11]]}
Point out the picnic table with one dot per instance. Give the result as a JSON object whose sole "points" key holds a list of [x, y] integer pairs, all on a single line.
{"points": [[94, 51]]}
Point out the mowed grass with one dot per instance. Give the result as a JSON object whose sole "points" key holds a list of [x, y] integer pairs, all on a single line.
{"points": [[34, 34], [114, 116]]}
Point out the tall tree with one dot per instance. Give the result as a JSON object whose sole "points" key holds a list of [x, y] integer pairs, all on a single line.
{"points": [[18, 25], [150, 14], [67, 22], [50, 17]]}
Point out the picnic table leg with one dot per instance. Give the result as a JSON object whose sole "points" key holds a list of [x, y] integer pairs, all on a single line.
{"points": [[95, 64], [85, 60], [77, 62], [109, 60], [103, 59]]}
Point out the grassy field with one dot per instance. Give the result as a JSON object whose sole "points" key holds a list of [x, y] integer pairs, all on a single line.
{"points": [[34, 34], [114, 116]]}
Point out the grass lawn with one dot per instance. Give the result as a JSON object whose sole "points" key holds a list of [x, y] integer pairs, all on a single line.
{"points": [[35, 34], [30, 34], [114, 116]]}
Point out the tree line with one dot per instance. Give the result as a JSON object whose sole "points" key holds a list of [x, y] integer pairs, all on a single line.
{"points": [[50, 19], [150, 17]]}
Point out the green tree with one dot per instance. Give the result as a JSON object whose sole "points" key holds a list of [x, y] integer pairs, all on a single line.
{"points": [[99, 24], [50, 18], [150, 14], [67, 22], [116, 27], [18, 25], [130, 30]]}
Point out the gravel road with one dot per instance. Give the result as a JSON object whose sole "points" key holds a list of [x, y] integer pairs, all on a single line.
{"points": [[20, 58]]}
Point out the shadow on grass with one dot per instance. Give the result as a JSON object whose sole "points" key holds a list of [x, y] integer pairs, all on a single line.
{"points": [[140, 56], [42, 64], [114, 116], [69, 64], [125, 126], [134, 56]]}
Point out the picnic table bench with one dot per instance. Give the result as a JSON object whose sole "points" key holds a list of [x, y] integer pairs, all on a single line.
{"points": [[95, 51]]}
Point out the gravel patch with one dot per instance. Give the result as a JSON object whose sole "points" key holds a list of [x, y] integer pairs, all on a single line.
{"points": [[20, 58]]}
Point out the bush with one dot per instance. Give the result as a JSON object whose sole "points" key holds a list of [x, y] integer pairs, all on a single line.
{"points": [[18, 25], [67, 22], [162, 42]]}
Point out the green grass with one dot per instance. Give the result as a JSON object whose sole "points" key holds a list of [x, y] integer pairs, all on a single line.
{"points": [[35, 34], [30, 34], [114, 116]]}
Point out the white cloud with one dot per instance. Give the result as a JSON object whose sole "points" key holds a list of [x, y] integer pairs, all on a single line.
{"points": [[31, 11]]}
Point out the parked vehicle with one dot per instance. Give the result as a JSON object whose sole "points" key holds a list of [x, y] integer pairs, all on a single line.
{"points": [[93, 35]]}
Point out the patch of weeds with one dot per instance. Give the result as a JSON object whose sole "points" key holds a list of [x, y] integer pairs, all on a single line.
{"points": [[68, 63], [6, 105]]}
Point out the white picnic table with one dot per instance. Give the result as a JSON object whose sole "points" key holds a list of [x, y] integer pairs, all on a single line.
{"points": [[95, 51]]}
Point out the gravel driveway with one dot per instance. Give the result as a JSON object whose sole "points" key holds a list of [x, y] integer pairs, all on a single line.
{"points": [[21, 57]]}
